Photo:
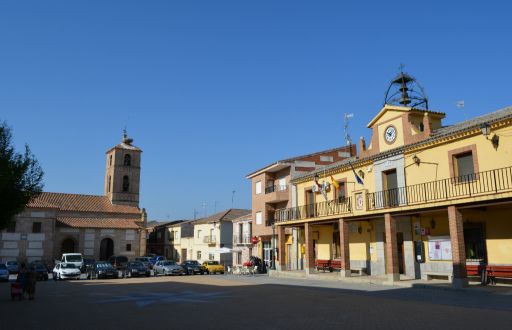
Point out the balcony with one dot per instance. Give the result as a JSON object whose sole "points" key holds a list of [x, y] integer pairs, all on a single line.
{"points": [[446, 191], [242, 240], [209, 240], [276, 193], [466, 186]]}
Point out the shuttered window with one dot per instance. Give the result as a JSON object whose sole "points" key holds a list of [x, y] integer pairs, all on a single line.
{"points": [[464, 165]]}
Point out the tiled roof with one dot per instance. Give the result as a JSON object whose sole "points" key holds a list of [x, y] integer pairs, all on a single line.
{"points": [[243, 217], [111, 223], [80, 203], [227, 215]]}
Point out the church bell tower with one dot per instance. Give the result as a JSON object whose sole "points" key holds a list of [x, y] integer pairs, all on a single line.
{"points": [[122, 176]]}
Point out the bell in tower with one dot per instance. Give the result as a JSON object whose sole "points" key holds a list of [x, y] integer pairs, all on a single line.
{"points": [[405, 91], [122, 176]]}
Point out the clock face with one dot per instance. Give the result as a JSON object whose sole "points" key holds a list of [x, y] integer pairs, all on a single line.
{"points": [[359, 201], [390, 134]]}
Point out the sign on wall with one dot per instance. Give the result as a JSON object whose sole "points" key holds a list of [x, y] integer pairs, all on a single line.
{"points": [[439, 248]]}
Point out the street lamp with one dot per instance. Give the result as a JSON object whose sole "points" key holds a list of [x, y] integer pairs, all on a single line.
{"points": [[273, 261]]}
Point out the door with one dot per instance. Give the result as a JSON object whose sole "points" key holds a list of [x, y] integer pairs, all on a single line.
{"points": [[390, 181], [289, 256], [310, 203], [106, 248], [474, 240], [183, 255], [400, 250]]}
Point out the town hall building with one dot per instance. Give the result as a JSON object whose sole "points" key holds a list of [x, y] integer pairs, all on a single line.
{"points": [[96, 226]]}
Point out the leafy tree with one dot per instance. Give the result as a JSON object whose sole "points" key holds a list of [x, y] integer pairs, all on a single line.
{"points": [[21, 178]]}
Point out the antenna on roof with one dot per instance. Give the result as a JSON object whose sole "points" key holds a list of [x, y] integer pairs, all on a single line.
{"points": [[233, 198], [195, 213], [204, 208], [346, 117], [460, 105]]}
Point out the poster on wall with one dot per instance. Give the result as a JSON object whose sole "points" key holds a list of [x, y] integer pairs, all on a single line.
{"points": [[439, 248]]}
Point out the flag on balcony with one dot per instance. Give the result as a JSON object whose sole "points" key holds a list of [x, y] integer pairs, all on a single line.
{"points": [[335, 183], [358, 179]]}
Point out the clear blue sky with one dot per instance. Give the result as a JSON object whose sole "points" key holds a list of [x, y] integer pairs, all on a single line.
{"points": [[212, 90]]}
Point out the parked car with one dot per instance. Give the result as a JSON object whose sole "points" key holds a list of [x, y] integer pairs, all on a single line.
{"points": [[102, 269], [4, 273], [119, 262], [167, 267], [137, 268], [192, 267], [155, 259], [213, 267], [41, 270], [146, 261], [66, 270], [73, 258], [12, 266], [87, 264]]}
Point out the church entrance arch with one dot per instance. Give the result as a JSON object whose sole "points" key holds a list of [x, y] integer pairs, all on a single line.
{"points": [[106, 248], [68, 246]]}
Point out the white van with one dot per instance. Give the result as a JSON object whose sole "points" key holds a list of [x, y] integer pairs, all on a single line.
{"points": [[73, 258]]}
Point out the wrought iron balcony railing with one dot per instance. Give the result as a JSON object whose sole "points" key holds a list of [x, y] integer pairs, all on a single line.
{"points": [[471, 185], [274, 188], [322, 209]]}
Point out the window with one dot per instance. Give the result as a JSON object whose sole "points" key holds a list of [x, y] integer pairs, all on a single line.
{"points": [[176, 236], [282, 184], [258, 218], [258, 187], [199, 233], [126, 183], [36, 227], [11, 227], [198, 255], [127, 160], [464, 165], [211, 256], [109, 182], [128, 247], [239, 258], [110, 160]]}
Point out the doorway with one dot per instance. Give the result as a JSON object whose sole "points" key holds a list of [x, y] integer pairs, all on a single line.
{"points": [[474, 240], [68, 246], [106, 248], [310, 203], [183, 256], [400, 252], [390, 182]]}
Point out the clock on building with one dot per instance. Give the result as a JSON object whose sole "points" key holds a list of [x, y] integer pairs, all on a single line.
{"points": [[390, 134], [359, 201]]}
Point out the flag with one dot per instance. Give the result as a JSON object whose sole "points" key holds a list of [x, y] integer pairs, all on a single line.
{"points": [[358, 179], [335, 183]]}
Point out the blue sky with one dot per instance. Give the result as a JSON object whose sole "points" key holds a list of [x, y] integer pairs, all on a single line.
{"points": [[213, 90]]}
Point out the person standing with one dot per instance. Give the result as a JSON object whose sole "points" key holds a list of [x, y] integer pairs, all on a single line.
{"points": [[30, 282]]}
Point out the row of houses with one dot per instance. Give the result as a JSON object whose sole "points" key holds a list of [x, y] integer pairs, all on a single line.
{"points": [[421, 200]]}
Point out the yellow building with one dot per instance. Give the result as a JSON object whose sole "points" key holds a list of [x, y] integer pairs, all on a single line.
{"points": [[431, 201]]}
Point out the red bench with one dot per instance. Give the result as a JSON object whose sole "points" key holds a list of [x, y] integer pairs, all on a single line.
{"points": [[323, 265], [494, 271]]}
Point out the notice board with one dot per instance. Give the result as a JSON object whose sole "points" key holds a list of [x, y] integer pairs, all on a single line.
{"points": [[439, 248]]}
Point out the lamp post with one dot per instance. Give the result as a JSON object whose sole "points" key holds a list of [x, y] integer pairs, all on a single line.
{"points": [[273, 261]]}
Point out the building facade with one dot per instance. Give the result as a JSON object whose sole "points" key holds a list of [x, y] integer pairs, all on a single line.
{"points": [[421, 201], [271, 190], [96, 226], [243, 240]]}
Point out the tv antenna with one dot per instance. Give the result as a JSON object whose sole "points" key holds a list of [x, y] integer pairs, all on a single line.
{"points": [[346, 117], [215, 206], [204, 208], [233, 198], [195, 213], [460, 105]]}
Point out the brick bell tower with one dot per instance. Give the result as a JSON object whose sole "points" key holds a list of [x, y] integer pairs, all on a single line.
{"points": [[122, 176]]}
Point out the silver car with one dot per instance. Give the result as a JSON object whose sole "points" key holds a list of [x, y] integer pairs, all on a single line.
{"points": [[167, 267]]}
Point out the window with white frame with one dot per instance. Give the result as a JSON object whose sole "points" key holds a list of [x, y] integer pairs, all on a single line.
{"points": [[282, 184], [211, 256], [258, 187], [259, 220], [198, 255], [199, 233]]}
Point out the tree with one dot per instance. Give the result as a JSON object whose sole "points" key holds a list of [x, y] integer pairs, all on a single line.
{"points": [[21, 178]]}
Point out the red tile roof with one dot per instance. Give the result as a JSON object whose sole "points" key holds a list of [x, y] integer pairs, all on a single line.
{"points": [[80, 203], [112, 223]]}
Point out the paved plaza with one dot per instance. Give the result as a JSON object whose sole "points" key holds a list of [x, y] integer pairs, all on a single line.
{"points": [[259, 302]]}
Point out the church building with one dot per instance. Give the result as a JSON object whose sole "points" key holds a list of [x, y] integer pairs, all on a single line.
{"points": [[96, 226]]}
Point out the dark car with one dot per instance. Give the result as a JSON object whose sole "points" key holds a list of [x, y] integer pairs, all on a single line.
{"points": [[87, 264], [12, 266], [102, 269], [145, 260], [119, 262], [137, 268], [40, 269], [193, 267]]}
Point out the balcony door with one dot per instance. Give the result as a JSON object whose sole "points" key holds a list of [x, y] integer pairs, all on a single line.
{"points": [[390, 182], [310, 203]]}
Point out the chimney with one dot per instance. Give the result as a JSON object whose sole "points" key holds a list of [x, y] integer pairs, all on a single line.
{"points": [[362, 146], [427, 127]]}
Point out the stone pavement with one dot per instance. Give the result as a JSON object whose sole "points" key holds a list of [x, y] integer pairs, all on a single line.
{"points": [[252, 302]]}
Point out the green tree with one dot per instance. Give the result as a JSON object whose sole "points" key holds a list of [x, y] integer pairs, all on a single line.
{"points": [[21, 178]]}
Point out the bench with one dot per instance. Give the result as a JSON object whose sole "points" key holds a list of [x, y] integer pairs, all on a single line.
{"points": [[324, 265], [432, 274], [494, 271]]}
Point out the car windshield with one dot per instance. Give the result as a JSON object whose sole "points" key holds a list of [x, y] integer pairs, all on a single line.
{"points": [[104, 265], [74, 258], [168, 263], [68, 266], [2, 266], [192, 262], [137, 264], [213, 262], [12, 263]]}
